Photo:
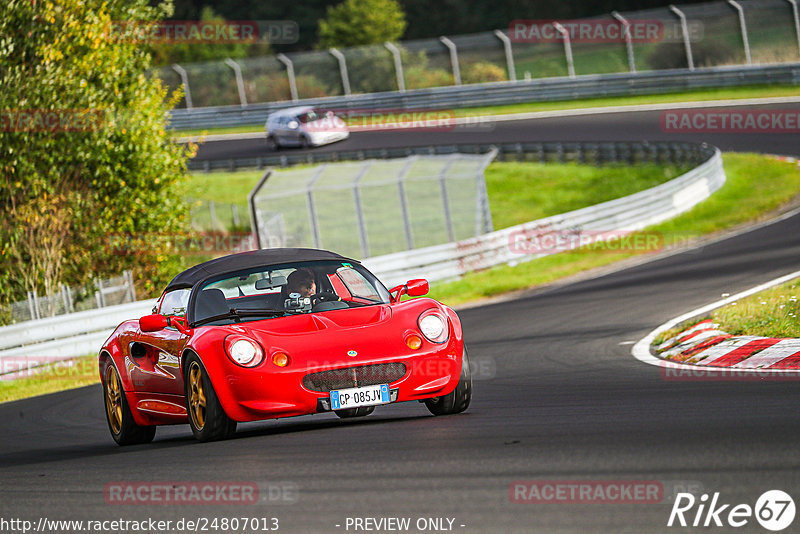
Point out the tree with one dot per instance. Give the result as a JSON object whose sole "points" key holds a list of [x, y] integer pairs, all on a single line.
{"points": [[362, 22], [84, 154]]}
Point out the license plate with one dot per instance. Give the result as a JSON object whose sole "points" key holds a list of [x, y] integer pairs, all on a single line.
{"points": [[363, 396]]}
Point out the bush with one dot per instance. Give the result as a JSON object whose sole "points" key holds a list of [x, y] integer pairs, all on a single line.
{"points": [[706, 53], [483, 72], [67, 192]]}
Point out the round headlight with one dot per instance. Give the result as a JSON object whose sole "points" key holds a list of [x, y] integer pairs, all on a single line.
{"points": [[433, 327], [244, 352]]}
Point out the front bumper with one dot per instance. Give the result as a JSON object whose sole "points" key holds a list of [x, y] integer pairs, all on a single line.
{"points": [[267, 391]]}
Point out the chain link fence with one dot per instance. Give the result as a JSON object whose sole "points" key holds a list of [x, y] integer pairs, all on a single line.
{"points": [[107, 292], [211, 216], [374, 207], [715, 34]]}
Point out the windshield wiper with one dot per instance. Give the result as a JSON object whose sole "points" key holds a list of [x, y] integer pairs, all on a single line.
{"points": [[235, 313]]}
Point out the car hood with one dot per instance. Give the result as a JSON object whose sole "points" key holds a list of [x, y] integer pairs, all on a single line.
{"points": [[334, 337], [316, 323]]}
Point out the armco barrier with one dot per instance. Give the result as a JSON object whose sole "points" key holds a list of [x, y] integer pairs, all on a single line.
{"points": [[82, 333], [502, 93], [592, 153], [67, 336]]}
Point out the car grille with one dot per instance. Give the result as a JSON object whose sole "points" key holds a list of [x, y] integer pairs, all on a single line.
{"points": [[350, 377]]}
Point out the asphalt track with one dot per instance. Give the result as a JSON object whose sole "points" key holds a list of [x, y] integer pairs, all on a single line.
{"points": [[627, 126], [557, 397]]}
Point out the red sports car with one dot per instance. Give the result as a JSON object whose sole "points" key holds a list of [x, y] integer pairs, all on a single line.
{"points": [[277, 333]]}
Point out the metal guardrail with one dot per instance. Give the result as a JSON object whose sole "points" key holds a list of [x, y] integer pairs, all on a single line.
{"points": [[580, 152], [501, 93], [81, 333], [631, 213]]}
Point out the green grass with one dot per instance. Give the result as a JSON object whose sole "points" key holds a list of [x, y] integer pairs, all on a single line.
{"points": [[522, 192], [756, 186], [51, 378], [770, 313], [688, 96]]}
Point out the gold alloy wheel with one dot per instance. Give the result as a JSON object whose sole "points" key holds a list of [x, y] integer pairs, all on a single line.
{"points": [[113, 400], [197, 396]]}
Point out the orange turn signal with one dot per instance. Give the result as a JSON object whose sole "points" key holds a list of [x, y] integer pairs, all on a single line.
{"points": [[281, 359], [414, 342]]}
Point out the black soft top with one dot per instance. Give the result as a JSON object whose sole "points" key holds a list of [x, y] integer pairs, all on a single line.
{"points": [[247, 260]]}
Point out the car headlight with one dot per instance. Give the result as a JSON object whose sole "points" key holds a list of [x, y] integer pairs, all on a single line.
{"points": [[433, 326], [243, 351]]}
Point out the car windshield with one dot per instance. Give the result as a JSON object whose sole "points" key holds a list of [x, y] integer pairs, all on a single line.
{"points": [[309, 116], [279, 290]]}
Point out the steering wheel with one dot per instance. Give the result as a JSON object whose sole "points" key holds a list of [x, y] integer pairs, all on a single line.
{"points": [[324, 296]]}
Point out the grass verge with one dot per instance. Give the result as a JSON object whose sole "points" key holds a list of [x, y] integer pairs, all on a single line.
{"points": [[771, 313], [776, 183], [51, 378], [733, 93]]}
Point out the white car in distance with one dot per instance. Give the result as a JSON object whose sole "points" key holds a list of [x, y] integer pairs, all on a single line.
{"points": [[304, 127]]}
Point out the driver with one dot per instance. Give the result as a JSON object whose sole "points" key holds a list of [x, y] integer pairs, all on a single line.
{"points": [[301, 281]]}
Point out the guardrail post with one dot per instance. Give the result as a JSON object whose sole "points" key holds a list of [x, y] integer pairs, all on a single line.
{"points": [[626, 28], [131, 287], [312, 212], [290, 74], [362, 225], [212, 212], [187, 93], [796, 18], [31, 306], [687, 45], [401, 190], [743, 27], [237, 70], [64, 298], [484, 210], [451, 46], [512, 71], [70, 303], [101, 297], [448, 219], [567, 48], [342, 69], [398, 66]]}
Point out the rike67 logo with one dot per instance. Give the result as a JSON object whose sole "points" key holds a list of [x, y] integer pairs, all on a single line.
{"points": [[774, 510]]}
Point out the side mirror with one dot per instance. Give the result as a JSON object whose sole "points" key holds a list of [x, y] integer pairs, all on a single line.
{"points": [[417, 287], [153, 323]]}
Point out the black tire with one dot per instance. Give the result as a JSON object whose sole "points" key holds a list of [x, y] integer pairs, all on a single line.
{"points": [[208, 420], [120, 420], [304, 142], [361, 411], [272, 144], [458, 400]]}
